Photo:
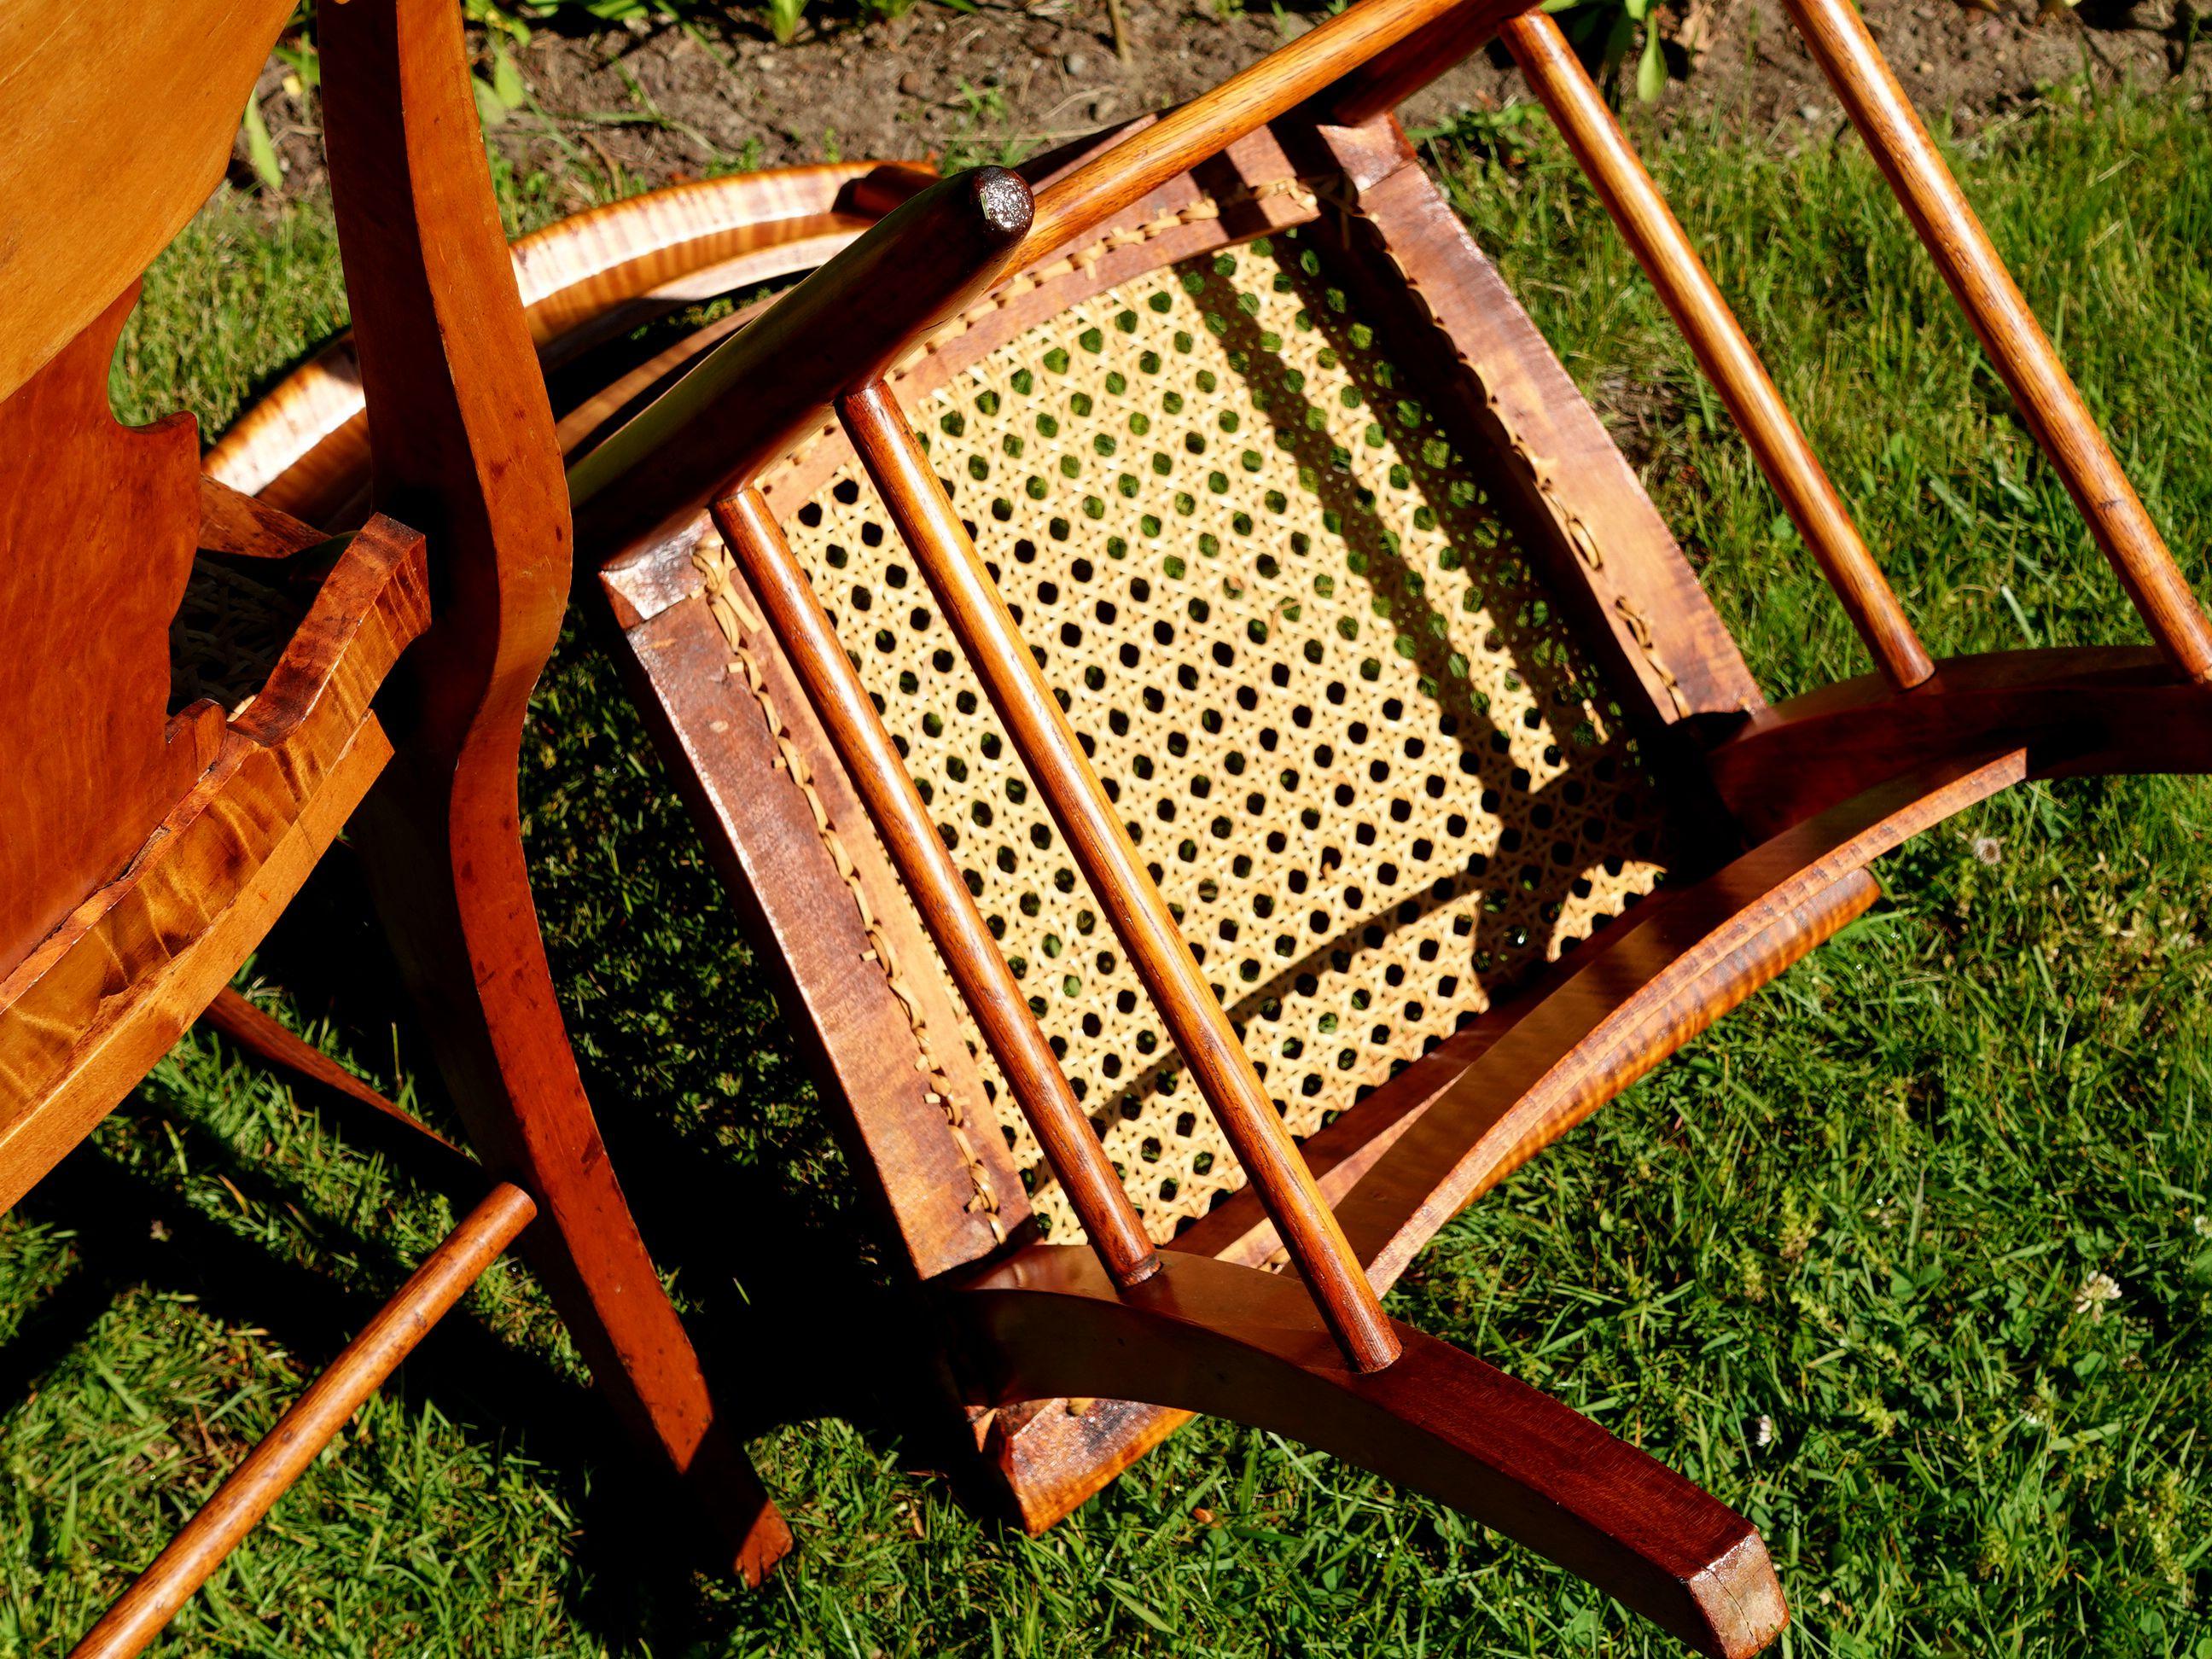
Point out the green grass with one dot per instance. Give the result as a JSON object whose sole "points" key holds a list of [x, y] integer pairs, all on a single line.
{"points": [[1828, 1262]]}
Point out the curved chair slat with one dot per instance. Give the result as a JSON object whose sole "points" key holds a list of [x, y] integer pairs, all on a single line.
{"points": [[1204, 1335]]}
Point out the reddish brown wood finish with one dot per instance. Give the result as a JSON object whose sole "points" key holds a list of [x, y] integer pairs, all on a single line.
{"points": [[1140, 917], [1206, 1335], [2017, 345], [753, 783], [1416, 275], [1590, 1038], [96, 179], [92, 758], [2075, 712], [1053, 1456], [1390, 77], [1200, 1334], [470, 448], [315, 1419], [305, 447], [102, 996], [1685, 997], [810, 644], [234, 522], [1694, 301]]}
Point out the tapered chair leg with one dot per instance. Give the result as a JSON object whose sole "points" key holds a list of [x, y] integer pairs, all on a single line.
{"points": [[446, 864]]}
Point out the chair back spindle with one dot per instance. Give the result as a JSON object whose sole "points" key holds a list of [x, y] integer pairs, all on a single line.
{"points": [[992, 641], [810, 643], [1655, 237], [2063, 428]]}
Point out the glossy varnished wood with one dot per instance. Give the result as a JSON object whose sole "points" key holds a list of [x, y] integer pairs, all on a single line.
{"points": [[1680, 1004], [746, 401], [947, 1198], [1181, 139], [1072, 1378], [1206, 1335], [103, 996], [469, 446], [2017, 346], [1694, 301], [1613, 1018], [232, 521], [2075, 713], [304, 447], [810, 645], [1576, 504], [1378, 86], [131, 107], [92, 758], [311, 1423], [1040, 732]]}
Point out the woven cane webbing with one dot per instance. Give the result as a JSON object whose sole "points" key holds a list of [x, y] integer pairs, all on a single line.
{"points": [[228, 632], [1348, 732]]}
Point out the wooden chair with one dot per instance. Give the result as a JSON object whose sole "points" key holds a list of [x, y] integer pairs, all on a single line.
{"points": [[1201, 712], [154, 833]]}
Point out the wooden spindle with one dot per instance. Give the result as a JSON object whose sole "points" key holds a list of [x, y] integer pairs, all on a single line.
{"points": [[1662, 247], [315, 1419], [2053, 409], [1285, 78], [1048, 747], [833, 688], [1396, 73], [753, 396]]}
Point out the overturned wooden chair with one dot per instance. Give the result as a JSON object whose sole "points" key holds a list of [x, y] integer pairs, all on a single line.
{"points": [[1228, 757], [197, 695]]}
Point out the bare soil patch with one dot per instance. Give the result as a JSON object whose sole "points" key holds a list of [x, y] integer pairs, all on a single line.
{"points": [[653, 104]]}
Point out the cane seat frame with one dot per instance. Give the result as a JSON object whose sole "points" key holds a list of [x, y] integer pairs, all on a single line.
{"points": [[833, 633]]}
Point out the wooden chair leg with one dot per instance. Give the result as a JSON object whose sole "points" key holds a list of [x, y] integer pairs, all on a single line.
{"points": [[446, 864], [1243, 1343]]}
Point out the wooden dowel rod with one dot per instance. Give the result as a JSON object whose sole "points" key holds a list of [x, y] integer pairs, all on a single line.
{"points": [[1662, 247], [1391, 76], [1048, 747], [271, 1467], [1183, 137], [2048, 400], [751, 397], [833, 688], [457, 1174]]}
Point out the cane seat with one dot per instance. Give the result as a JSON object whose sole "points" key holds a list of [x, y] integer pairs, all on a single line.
{"points": [[1342, 717]]}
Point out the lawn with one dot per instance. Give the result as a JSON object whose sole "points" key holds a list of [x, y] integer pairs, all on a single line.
{"points": [[1909, 1260]]}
